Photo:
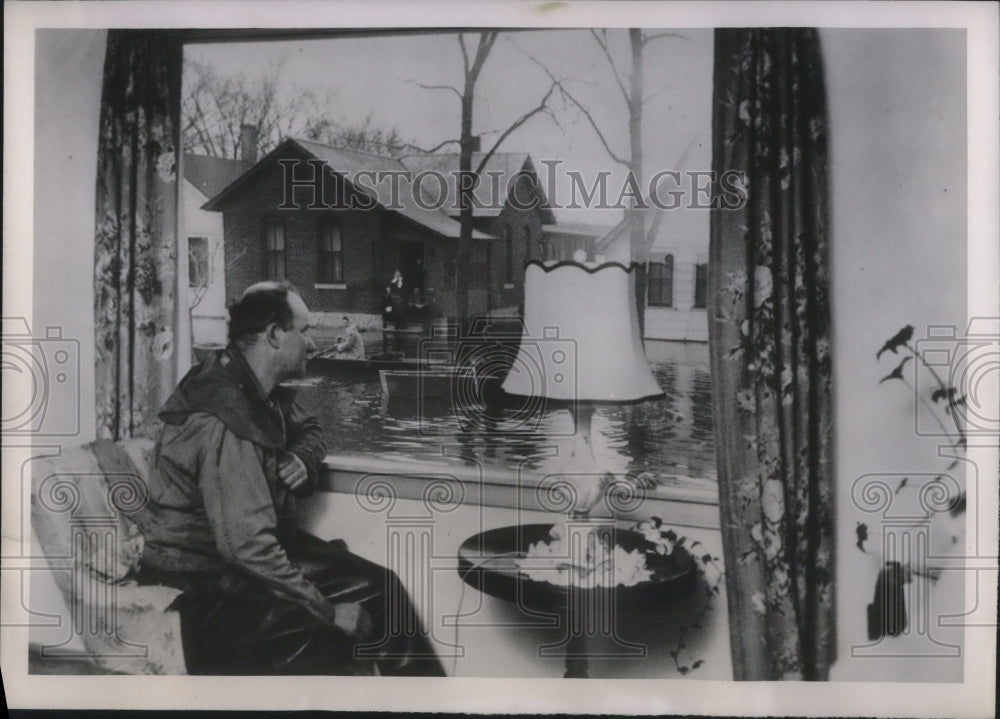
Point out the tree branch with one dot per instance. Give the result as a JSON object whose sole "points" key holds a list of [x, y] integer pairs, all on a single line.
{"points": [[438, 87], [611, 61], [517, 123], [590, 118], [486, 40], [597, 130], [411, 146], [465, 54], [652, 96]]}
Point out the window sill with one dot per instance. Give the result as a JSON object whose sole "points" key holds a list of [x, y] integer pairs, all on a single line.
{"points": [[687, 501], [676, 309], [508, 285], [330, 286]]}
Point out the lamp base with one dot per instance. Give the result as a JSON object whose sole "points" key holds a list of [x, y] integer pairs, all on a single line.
{"points": [[581, 469]]}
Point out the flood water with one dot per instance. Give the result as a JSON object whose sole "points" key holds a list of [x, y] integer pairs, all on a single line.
{"points": [[672, 436]]}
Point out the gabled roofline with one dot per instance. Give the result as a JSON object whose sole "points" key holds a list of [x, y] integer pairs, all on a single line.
{"points": [[548, 216], [214, 204]]}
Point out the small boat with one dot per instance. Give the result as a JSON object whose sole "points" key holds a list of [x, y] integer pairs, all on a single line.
{"points": [[325, 364], [441, 385], [462, 386]]}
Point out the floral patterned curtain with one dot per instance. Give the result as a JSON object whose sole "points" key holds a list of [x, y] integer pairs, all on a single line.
{"points": [[135, 252], [771, 364]]}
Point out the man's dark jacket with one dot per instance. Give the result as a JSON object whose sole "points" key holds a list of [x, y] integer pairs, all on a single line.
{"points": [[215, 499]]}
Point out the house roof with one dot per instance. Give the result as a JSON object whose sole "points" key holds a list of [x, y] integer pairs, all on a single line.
{"points": [[616, 243], [660, 224], [395, 192], [492, 192], [210, 175], [580, 229]]}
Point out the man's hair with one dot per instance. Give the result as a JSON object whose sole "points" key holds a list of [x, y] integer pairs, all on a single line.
{"points": [[261, 305]]}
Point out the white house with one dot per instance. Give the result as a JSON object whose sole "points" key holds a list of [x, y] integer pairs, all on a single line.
{"points": [[204, 177], [677, 278], [676, 272]]}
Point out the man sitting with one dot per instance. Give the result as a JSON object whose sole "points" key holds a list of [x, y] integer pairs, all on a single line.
{"points": [[259, 597], [352, 344]]}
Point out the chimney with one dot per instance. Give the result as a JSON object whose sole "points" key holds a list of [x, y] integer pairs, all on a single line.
{"points": [[248, 143]]}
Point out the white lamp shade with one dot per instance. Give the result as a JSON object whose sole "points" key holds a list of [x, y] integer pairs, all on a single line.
{"points": [[581, 340]]}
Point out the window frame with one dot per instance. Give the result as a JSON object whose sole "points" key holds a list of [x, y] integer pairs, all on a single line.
{"points": [[664, 283], [206, 260], [547, 249], [700, 286], [326, 275], [270, 255]]}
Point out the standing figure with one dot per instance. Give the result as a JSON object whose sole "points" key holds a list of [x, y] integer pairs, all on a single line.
{"points": [[397, 301]]}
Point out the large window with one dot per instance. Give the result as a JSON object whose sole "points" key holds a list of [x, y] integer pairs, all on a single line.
{"points": [[331, 253], [199, 268], [701, 286], [660, 283], [274, 248]]}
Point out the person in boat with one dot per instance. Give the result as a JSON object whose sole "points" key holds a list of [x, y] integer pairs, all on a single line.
{"points": [[258, 595], [352, 344]]}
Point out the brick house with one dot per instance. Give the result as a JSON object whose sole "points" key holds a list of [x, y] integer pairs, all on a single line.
{"points": [[509, 206], [338, 223]]}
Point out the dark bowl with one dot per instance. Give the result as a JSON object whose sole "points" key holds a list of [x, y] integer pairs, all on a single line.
{"points": [[487, 561]]}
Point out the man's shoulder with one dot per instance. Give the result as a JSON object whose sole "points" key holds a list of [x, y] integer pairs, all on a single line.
{"points": [[197, 428], [226, 394]]}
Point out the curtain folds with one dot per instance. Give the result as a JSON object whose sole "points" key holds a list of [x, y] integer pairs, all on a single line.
{"points": [[771, 360], [135, 253]]}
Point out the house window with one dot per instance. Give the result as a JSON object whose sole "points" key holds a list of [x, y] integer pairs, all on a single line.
{"points": [[198, 265], [508, 267], [331, 253], [701, 286], [479, 273], [660, 283], [274, 249]]}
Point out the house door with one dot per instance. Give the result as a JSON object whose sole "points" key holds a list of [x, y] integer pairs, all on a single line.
{"points": [[412, 266]]}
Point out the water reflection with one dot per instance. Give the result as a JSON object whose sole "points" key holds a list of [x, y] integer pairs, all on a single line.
{"points": [[669, 436]]}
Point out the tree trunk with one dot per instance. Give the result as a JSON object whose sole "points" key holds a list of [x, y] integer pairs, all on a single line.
{"points": [[637, 235], [464, 253]]}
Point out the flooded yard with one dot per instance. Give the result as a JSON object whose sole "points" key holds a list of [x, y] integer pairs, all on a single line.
{"points": [[671, 436]]}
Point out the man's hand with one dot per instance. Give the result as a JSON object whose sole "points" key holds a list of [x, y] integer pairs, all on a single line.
{"points": [[353, 619], [292, 472]]}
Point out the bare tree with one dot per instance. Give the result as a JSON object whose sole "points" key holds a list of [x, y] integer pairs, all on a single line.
{"points": [[630, 83], [216, 107], [473, 60]]}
